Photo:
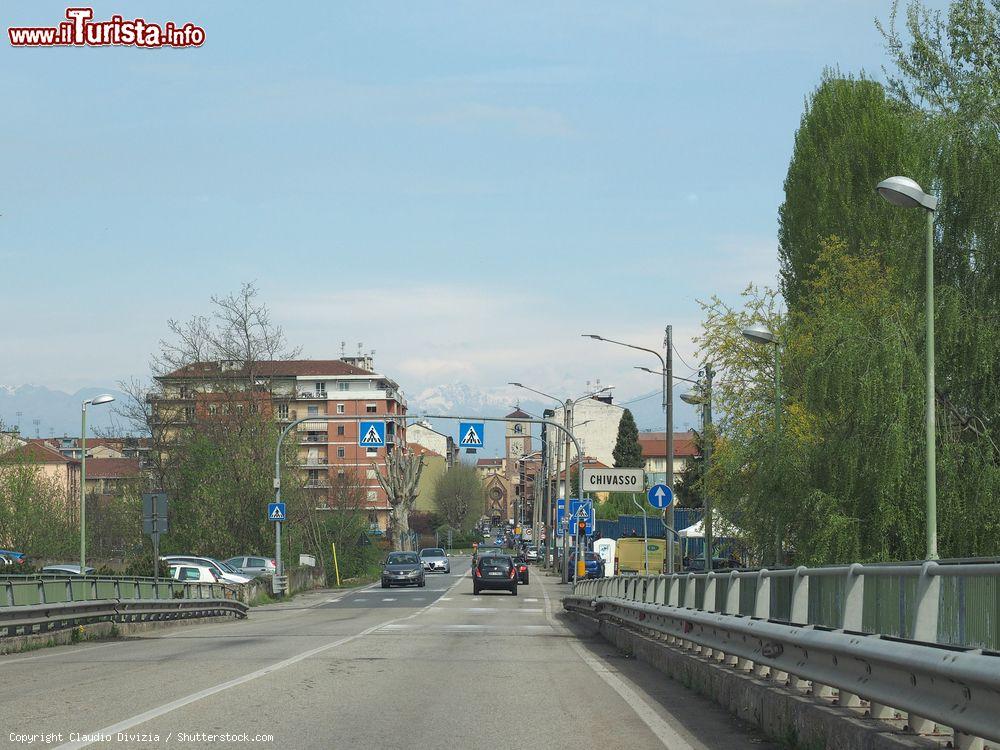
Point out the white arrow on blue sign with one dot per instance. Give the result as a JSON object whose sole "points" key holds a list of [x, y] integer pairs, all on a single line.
{"points": [[660, 496], [371, 435], [276, 511]]}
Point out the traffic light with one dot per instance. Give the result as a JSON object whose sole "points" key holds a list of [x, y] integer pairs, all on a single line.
{"points": [[582, 527]]}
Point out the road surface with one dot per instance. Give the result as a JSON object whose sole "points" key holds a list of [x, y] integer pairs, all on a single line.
{"points": [[417, 668]]}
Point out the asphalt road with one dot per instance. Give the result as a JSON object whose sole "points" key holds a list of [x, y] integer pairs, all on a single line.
{"points": [[435, 667]]}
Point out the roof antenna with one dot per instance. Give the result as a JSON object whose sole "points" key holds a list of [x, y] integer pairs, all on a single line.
{"points": [[343, 349]]}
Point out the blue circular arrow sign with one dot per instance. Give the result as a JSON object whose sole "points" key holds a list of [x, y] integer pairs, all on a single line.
{"points": [[660, 496]]}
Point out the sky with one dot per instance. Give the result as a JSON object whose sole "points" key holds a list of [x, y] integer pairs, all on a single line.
{"points": [[464, 187]]}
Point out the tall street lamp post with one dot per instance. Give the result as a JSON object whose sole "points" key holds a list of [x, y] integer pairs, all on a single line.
{"points": [[102, 399], [902, 191], [666, 362], [703, 396], [765, 337]]}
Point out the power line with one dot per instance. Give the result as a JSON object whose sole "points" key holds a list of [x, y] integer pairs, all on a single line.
{"points": [[683, 362], [643, 398]]}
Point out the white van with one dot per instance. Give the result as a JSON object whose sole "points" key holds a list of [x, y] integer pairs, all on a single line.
{"points": [[606, 549]]}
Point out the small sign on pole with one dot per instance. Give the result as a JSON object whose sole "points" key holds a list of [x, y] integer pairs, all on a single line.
{"points": [[275, 511], [613, 480], [471, 434], [371, 434], [660, 496]]}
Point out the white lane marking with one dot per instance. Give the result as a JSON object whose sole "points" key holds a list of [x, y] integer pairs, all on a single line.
{"points": [[362, 599], [388, 599], [531, 600], [665, 733], [396, 626], [446, 598], [67, 652], [154, 713], [331, 601]]}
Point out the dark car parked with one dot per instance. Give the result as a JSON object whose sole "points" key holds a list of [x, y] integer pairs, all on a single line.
{"points": [[495, 572], [403, 569], [593, 561], [522, 568]]}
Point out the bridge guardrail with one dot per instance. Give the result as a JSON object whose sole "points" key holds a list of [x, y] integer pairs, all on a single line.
{"points": [[813, 632], [948, 603], [41, 603]]}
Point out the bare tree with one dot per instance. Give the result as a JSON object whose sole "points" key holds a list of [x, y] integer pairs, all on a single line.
{"points": [[399, 480], [455, 493]]}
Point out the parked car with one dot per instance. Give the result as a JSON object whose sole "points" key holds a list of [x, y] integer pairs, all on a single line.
{"points": [[190, 573], [531, 554], [495, 572], [253, 566], [225, 573], [435, 559], [67, 569], [403, 569], [522, 568], [18, 558], [593, 561], [697, 564]]}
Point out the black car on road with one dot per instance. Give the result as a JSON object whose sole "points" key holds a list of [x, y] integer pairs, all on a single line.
{"points": [[495, 572], [402, 569], [522, 568]]}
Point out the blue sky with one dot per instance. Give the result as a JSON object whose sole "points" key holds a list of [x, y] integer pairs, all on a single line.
{"points": [[463, 186]]}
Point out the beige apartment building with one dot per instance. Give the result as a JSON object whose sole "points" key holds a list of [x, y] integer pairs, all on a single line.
{"points": [[338, 392]]}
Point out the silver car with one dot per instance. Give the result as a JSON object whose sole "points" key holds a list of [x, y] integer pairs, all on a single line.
{"points": [[435, 560], [253, 566]]}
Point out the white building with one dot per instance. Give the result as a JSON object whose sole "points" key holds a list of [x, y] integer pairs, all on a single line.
{"points": [[595, 425]]}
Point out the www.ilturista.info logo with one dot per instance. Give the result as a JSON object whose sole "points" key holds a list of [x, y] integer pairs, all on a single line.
{"points": [[80, 30]]}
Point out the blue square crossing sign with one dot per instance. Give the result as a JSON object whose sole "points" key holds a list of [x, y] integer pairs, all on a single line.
{"points": [[371, 434], [275, 511], [471, 434]]}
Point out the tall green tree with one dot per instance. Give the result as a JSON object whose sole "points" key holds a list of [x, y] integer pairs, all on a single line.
{"points": [[457, 493], [628, 452]]}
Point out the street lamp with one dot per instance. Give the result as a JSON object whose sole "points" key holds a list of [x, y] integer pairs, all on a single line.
{"points": [[703, 396], [104, 398], [766, 338], [667, 365], [902, 191]]}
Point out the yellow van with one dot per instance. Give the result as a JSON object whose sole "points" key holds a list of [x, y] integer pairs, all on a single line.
{"points": [[629, 556]]}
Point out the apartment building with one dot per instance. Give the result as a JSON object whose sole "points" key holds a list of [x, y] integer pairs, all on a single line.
{"points": [[337, 392], [654, 453]]}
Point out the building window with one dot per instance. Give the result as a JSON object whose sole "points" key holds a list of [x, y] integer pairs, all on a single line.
{"points": [[344, 385], [340, 429], [340, 408], [189, 413], [341, 474], [313, 411], [213, 409], [321, 388], [372, 496], [239, 408], [341, 452], [282, 411], [371, 473], [371, 408]]}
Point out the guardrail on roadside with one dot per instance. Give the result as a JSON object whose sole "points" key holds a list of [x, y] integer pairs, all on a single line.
{"points": [[26, 590], [42, 603], [821, 625]]}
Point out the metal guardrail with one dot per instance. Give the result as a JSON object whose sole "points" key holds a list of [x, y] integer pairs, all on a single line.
{"points": [[45, 618], [819, 625], [26, 590], [41, 603]]}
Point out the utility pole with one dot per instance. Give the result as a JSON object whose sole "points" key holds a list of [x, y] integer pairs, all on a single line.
{"points": [[707, 437], [568, 421], [668, 406]]}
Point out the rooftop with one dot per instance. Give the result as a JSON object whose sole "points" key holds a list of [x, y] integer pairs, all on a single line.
{"points": [[654, 444], [270, 368]]}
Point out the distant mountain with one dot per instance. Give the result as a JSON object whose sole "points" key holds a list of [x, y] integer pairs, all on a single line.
{"points": [[57, 412]]}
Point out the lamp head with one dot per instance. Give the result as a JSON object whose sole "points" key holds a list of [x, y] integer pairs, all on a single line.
{"points": [[592, 336], [692, 397], [902, 191], [515, 384], [760, 335]]}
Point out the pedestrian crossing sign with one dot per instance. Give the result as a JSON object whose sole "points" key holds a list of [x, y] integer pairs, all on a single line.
{"points": [[471, 434], [371, 434], [276, 511]]}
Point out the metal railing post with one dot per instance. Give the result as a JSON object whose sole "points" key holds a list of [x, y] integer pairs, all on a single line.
{"points": [[925, 628], [762, 611]]}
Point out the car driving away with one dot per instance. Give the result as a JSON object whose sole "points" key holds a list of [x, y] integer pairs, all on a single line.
{"points": [[435, 560], [493, 573], [402, 569], [531, 554], [522, 568]]}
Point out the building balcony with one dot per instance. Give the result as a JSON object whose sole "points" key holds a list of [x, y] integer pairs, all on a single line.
{"points": [[318, 484], [321, 439], [315, 463], [310, 395]]}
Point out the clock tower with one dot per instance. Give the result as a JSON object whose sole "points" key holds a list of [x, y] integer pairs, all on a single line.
{"points": [[518, 435]]}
